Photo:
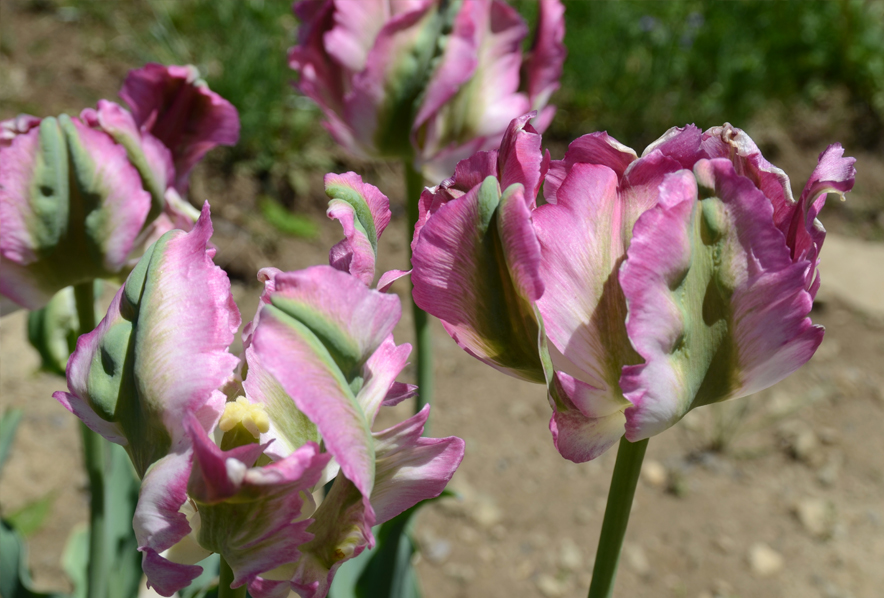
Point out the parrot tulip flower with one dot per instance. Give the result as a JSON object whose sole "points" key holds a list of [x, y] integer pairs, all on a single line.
{"points": [[426, 81], [644, 287], [80, 196], [237, 477]]}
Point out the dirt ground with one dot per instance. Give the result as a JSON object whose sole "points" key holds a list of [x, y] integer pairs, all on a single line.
{"points": [[778, 495]]}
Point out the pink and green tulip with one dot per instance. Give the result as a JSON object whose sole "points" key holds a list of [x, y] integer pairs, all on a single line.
{"points": [[320, 362], [80, 196], [651, 285], [426, 81]]}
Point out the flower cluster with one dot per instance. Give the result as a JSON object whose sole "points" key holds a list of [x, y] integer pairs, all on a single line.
{"points": [[643, 287], [430, 81], [234, 463], [79, 196]]}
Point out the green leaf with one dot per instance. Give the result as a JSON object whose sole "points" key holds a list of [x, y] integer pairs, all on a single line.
{"points": [[121, 494], [286, 222], [8, 425], [15, 580], [31, 517], [75, 559]]}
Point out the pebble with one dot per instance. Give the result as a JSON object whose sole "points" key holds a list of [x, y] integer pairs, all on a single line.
{"points": [[816, 516], [485, 513], [654, 474], [550, 587], [570, 556], [764, 560], [637, 559], [436, 551], [460, 572]]}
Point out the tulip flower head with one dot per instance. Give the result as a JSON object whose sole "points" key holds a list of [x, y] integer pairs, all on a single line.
{"points": [[643, 287], [238, 477], [79, 196], [430, 81]]}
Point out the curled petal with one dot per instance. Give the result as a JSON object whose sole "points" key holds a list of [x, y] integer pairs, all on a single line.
{"points": [[364, 213], [411, 468], [543, 66], [159, 523], [596, 148], [379, 375], [586, 421], [179, 109], [19, 125], [520, 159]]}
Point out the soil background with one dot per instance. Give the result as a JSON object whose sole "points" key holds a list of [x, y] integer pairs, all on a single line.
{"points": [[776, 495]]}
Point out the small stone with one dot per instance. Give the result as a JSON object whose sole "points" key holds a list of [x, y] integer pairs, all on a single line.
{"points": [[524, 570], [654, 474], [487, 554], [829, 436], [459, 572], [725, 544], [550, 587], [437, 550], [806, 447], [570, 556], [764, 560], [584, 515], [468, 535], [816, 515], [637, 559], [521, 411], [485, 513]]}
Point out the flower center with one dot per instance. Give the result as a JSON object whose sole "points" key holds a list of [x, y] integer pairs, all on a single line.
{"points": [[251, 415]]}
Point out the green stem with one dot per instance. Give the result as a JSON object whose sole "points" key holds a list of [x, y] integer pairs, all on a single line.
{"points": [[95, 458], [623, 482], [224, 590], [414, 184]]}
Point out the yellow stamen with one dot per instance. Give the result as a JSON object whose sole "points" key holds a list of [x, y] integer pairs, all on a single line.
{"points": [[250, 415]]}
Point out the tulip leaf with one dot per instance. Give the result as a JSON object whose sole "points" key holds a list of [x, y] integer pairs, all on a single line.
{"points": [[30, 518], [75, 559], [15, 580], [8, 425]]}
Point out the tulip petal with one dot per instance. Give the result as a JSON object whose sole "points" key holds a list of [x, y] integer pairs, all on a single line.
{"points": [[18, 125], [719, 310], [595, 148], [151, 360], [179, 109], [379, 375], [356, 25], [520, 159], [586, 421], [583, 240], [289, 427], [364, 213], [476, 268], [329, 324], [252, 516], [543, 66], [159, 523], [411, 468]]}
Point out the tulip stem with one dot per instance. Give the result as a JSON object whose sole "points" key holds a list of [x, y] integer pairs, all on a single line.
{"points": [[414, 184], [94, 456], [623, 482], [224, 589]]}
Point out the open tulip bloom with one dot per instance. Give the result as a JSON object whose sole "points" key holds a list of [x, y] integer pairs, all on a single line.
{"points": [[643, 287], [230, 464]]}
